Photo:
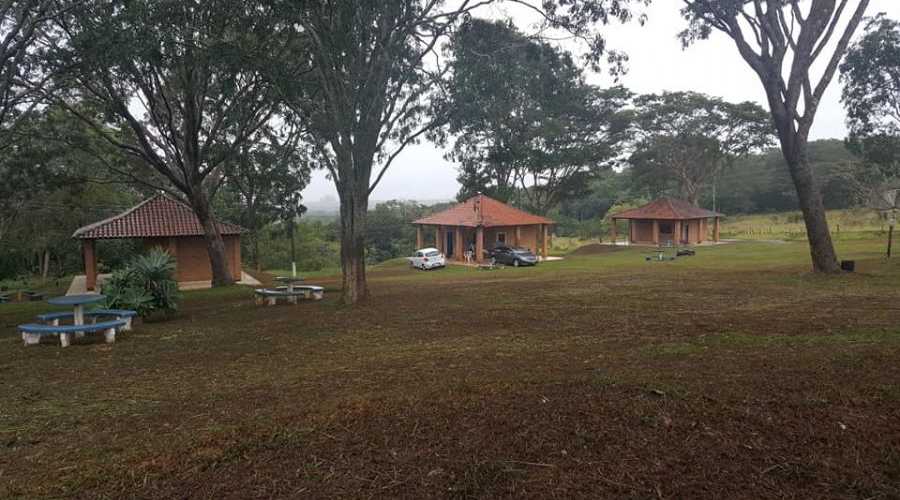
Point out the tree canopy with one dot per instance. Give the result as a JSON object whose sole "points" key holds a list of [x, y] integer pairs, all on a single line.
{"points": [[686, 138], [180, 81], [871, 95], [526, 125]]}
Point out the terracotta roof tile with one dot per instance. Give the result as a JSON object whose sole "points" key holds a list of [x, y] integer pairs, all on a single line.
{"points": [[666, 209], [159, 216], [481, 210]]}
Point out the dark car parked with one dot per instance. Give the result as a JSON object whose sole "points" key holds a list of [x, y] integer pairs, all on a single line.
{"points": [[513, 256]]}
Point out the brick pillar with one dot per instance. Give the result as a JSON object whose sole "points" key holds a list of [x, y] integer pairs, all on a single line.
{"points": [[518, 235], [716, 230], [613, 230], [655, 231], [90, 264], [437, 237], [418, 237], [544, 241], [458, 244], [676, 237], [479, 244]]}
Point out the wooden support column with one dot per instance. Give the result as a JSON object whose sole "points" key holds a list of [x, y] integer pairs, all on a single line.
{"points": [[716, 230], [90, 264], [545, 240], [479, 244], [458, 244], [655, 231], [612, 231], [418, 237]]}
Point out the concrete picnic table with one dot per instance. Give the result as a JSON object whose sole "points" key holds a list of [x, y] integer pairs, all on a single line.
{"points": [[77, 302], [290, 281]]}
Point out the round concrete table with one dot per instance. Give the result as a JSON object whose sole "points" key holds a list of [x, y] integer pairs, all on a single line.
{"points": [[77, 302]]}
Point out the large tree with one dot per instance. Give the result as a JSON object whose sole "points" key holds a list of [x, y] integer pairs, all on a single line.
{"points": [[782, 40], [871, 95], [360, 76], [687, 138], [181, 81], [525, 123], [24, 23]]}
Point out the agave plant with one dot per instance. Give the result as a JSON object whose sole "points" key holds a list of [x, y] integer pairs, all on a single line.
{"points": [[146, 285]]}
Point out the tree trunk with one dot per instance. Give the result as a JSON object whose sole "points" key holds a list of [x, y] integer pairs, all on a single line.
{"points": [[821, 248], [293, 244], [215, 246], [353, 247], [256, 251], [45, 265]]}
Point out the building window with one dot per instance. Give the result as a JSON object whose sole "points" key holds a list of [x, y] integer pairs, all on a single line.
{"points": [[501, 237]]}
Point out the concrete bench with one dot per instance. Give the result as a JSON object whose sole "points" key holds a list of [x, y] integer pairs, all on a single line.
{"points": [[311, 291], [270, 296], [125, 314], [32, 333]]}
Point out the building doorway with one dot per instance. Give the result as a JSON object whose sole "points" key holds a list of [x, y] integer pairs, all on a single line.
{"points": [[450, 244]]}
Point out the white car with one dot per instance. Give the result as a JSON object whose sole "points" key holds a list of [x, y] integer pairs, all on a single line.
{"points": [[428, 258]]}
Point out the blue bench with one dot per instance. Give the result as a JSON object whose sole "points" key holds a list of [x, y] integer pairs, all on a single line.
{"points": [[54, 317], [32, 333]]}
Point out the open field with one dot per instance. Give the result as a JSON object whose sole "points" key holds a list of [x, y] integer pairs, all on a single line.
{"points": [[856, 223], [734, 373]]}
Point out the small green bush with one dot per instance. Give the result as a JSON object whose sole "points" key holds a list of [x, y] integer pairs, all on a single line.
{"points": [[146, 285]]}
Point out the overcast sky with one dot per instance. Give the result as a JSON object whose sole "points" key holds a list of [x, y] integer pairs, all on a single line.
{"points": [[657, 63]]}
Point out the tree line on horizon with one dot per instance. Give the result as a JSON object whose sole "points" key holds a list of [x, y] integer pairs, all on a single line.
{"points": [[225, 103]]}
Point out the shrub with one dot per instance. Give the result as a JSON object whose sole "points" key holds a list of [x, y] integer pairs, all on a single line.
{"points": [[146, 285]]}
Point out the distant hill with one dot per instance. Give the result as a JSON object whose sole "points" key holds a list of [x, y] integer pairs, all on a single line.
{"points": [[330, 205]]}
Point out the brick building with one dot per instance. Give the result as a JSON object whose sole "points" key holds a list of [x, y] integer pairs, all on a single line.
{"points": [[668, 220], [164, 222], [482, 223]]}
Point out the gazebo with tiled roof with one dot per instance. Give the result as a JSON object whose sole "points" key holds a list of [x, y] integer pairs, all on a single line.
{"points": [[164, 222], [668, 220], [481, 223]]}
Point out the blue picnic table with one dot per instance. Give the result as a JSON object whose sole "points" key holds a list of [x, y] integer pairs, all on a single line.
{"points": [[77, 302]]}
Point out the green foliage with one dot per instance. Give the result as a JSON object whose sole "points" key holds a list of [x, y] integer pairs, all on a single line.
{"points": [[762, 183], [527, 127], [871, 95], [870, 74], [57, 177], [123, 291], [315, 243], [389, 233], [684, 139], [146, 285]]}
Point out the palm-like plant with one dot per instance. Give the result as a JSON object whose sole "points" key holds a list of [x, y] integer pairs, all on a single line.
{"points": [[146, 285]]}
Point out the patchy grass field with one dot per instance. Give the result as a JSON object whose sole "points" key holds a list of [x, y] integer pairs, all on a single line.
{"points": [[734, 373], [850, 224]]}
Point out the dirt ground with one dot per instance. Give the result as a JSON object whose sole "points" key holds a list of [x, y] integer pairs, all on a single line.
{"points": [[732, 374]]}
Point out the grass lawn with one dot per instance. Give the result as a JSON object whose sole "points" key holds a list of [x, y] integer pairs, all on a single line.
{"points": [[734, 373]]}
